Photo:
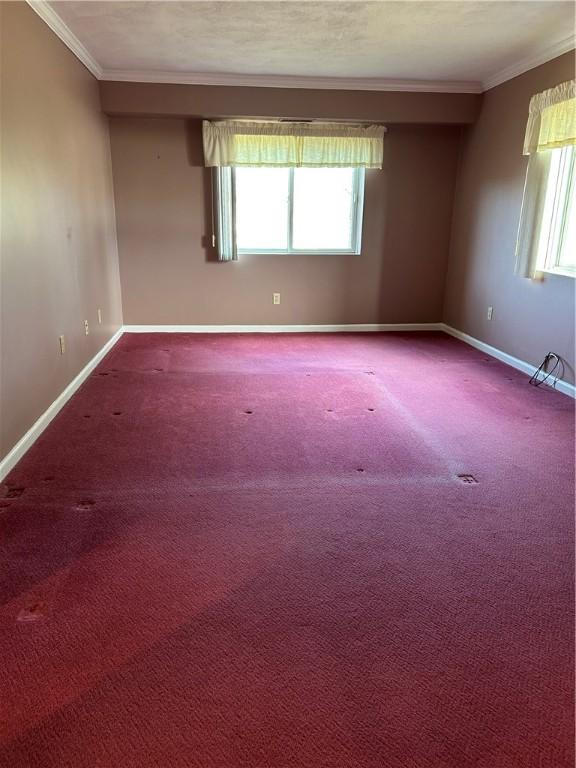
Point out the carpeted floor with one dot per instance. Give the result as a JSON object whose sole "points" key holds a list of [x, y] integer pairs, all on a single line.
{"points": [[292, 551]]}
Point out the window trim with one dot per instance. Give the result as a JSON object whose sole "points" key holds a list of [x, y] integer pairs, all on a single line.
{"points": [[357, 221]]}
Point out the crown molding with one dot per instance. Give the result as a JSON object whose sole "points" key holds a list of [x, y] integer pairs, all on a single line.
{"points": [[292, 81], [49, 15], [541, 57]]}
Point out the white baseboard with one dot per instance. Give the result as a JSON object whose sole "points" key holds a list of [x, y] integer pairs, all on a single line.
{"points": [[26, 442], [344, 328], [514, 362]]}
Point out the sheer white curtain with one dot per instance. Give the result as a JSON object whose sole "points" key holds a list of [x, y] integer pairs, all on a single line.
{"points": [[531, 215], [551, 125], [225, 204]]}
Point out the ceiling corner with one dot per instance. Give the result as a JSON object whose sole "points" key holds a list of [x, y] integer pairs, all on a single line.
{"points": [[53, 20], [538, 57]]}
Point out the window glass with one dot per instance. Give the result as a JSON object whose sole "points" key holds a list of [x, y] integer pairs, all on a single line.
{"points": [[262, 208], [557, 239], [295, 210], [323, 208]]}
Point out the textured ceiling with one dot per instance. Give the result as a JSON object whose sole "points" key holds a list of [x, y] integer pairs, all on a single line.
{"points": [[455, 40]]}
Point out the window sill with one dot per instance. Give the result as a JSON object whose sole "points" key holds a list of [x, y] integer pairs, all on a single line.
{"points": [[299, 253], [559, 272]]}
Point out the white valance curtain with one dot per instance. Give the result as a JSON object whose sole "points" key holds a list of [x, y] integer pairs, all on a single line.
{"points": [[551, 125], [237, 143], [551, 119]]}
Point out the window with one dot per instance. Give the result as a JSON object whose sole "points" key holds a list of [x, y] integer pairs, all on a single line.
{"points": [[295, 210], [289, 187], [557, 236], [547, 228]]}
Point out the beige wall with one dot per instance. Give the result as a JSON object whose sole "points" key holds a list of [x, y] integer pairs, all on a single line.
{"points": [[169, 275], [58, 248], [162, 100], [530, 318]]}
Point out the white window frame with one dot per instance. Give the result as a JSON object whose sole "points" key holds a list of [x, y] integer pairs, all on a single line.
{"points": [[560, 189], [225, 221]]}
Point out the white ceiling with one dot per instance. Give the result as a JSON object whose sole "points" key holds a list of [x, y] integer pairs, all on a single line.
{"points": [[456, 42]]}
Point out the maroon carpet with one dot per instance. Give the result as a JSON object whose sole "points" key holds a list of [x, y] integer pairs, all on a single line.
{"points": [[340, 551]]}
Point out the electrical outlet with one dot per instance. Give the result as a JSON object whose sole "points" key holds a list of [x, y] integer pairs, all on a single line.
{"points": [[86, 327], [489, 313], [99, 316], [62, 342], [276, 298]]}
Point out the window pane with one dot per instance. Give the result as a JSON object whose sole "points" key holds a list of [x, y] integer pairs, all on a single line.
{"points": [[262, 208], [323, 208], [567, 255], [548, 231]]}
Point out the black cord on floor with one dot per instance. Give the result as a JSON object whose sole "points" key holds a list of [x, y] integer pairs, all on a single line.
{"points": [[544, 371]]}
